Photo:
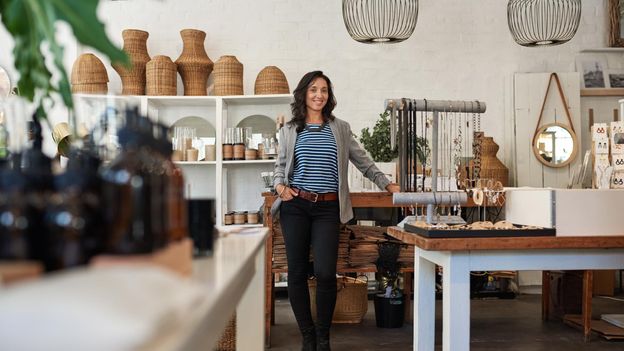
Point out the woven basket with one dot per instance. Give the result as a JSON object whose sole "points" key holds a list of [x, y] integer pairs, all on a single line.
{"points": [[194, 64], [271, 80], [133, 78], [228, 79], [162, 76], [351, 299], [492, 167], [228, 338], [89, 75], [90, 88]]}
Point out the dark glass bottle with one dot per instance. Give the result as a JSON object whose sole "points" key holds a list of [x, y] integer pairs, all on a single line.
{"points": [[155, 171], [36, 169], [73, 217], [14, 226], [4, 141], [175, 209], [127, 193]]}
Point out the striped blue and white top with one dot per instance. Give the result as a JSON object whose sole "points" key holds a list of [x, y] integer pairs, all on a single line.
{"points": [[316, 160]]}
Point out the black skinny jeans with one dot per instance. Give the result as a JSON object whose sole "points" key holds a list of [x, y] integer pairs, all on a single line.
{"points": [[306, 223]]}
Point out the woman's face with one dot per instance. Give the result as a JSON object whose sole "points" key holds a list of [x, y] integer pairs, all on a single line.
{"points": [[317, 95]]}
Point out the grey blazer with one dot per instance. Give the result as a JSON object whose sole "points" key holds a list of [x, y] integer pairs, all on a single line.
{"points": [[348, 150]]}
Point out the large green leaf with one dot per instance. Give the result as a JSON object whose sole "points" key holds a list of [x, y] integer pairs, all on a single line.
{"points": [[32, 23], [81, 16]]}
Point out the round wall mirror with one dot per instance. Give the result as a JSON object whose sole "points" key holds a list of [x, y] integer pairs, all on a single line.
{"points": [[555, 145]]}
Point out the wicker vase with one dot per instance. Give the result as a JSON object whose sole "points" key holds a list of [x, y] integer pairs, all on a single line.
{"points": [[271, 80], [492, 167], [194, 64], [89, 75], [228, 76], [162, 76], [135, 45]]}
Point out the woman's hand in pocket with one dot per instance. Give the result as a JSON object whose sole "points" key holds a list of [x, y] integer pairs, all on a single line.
{"points": [[286, 193]]}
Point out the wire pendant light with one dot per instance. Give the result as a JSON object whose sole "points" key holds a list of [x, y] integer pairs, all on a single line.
{"points": [[380, 21], [543, 22]]}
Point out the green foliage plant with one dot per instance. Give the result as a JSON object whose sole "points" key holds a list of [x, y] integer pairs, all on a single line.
{"points": [[31, 23], [377, 143]]}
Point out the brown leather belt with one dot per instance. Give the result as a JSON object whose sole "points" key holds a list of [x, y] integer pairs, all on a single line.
{"points": [[316, 197]]}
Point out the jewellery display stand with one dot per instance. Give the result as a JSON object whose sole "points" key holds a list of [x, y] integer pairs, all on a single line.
{"points": [[411, 149]]}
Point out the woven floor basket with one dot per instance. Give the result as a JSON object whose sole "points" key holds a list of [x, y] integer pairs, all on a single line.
{"points": [[89, 75], [271, 80], [351, 300], [162, 76], [228, 76], [228, 339], [133, 78]]}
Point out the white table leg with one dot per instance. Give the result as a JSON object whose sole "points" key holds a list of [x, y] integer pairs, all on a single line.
{"points": [[250, 311], [456, 302], [424, 303]]}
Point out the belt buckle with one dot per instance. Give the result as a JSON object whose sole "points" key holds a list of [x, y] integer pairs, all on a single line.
{"points": [[316, 195]]}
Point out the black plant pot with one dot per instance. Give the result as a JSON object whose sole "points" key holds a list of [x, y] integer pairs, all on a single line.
{"points": [[389, 311]]}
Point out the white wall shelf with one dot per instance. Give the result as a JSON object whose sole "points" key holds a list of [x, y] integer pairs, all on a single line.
{"points": [[182, 101], [248, 162], [258, 99], [603, 92], [235, 185], [196, 163]]}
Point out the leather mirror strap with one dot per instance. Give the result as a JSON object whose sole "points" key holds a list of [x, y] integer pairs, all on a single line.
{"points": [[562, 96]]}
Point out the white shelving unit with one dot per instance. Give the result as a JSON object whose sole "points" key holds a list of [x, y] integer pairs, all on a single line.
{"points": [[235, 185]]}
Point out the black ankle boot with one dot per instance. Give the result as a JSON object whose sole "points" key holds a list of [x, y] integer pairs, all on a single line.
{"points": [[322, 339], [309, 339]]}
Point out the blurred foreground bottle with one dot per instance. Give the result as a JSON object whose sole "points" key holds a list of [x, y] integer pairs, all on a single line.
{"points": [[129, 195], [175, 208]]}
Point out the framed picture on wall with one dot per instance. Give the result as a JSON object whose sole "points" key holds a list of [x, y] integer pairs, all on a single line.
{"points": [[615, 78], [592, 69]]}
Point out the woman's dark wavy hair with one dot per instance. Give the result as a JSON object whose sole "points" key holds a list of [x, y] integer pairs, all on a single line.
{"points": [[299, 108]]}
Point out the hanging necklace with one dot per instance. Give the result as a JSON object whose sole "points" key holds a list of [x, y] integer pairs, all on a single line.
{"points": [[314, 127]]}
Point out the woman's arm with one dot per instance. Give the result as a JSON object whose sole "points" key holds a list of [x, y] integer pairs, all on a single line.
{"points": [[280, 163], [279, 173]]}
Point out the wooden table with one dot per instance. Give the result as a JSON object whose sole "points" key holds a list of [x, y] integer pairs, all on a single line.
{"points": [[459, 256]]}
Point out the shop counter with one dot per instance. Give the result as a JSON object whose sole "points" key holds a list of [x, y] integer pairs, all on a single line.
{"points": [[459, 256], [233, 279], [132, 306]]}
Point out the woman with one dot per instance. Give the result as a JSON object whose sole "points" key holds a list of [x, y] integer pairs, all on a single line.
{"points": [[311, 180]]}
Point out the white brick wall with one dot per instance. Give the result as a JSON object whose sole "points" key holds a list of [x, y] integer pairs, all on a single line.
{"points": [[460, 49]]}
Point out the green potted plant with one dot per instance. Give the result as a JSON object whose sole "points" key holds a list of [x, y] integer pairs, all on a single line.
{"points": [[31, 23], [378, 146], [377, 143]]}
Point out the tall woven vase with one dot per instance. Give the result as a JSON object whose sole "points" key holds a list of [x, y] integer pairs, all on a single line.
{"points": [[162, 76], [228, 73], [492, 167], [194, 64], [133, 78]]}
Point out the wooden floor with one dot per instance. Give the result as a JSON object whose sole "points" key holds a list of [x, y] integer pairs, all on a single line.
{"points": [[510, 325]]}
